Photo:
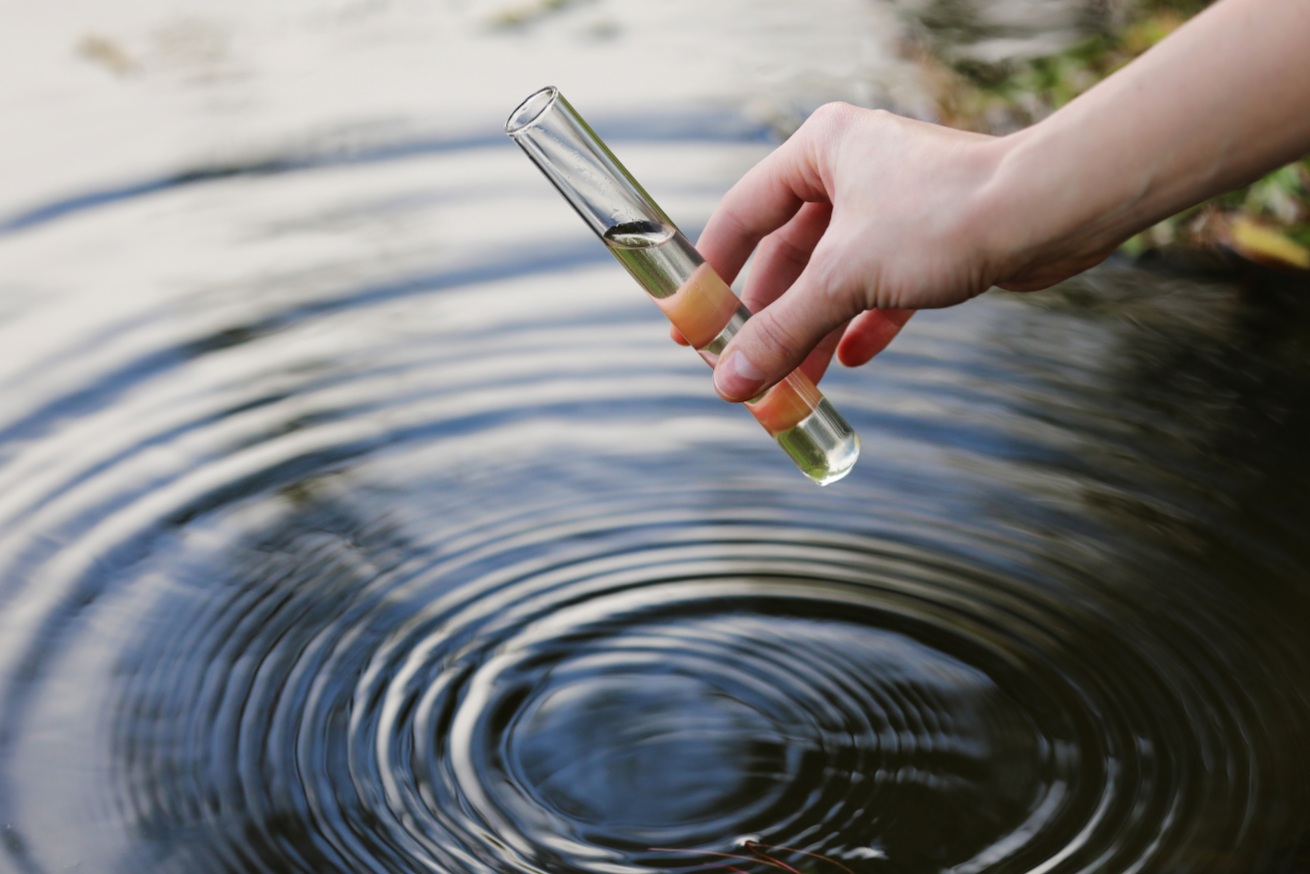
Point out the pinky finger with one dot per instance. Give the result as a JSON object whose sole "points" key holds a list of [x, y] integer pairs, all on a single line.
{"points": [[869, 334], [816, 363]]}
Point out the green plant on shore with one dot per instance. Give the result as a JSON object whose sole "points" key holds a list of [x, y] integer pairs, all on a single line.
{"points": [[1267, 221]]}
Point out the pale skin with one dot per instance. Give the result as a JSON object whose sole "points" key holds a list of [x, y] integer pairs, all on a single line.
{"points": [[863, 217]]}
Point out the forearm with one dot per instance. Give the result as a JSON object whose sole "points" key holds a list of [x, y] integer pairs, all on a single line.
{"points": [[1222, 101]]}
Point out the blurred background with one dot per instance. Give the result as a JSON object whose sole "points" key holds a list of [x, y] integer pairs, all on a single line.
{"points": [[356, 513]]}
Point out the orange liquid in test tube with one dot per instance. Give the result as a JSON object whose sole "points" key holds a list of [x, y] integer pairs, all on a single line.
{"points": [[701, 309]]}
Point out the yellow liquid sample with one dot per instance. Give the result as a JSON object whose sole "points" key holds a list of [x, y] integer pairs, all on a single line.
{"points": [[707, 312], [701, 308]]}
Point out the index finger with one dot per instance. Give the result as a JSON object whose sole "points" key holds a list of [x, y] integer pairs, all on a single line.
{"points": [[762, 201]]}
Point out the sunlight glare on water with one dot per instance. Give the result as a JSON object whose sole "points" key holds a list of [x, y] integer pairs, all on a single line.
{"points": [[356, 513]]}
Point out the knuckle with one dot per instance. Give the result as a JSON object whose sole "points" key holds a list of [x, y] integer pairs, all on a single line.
{"points": [[790, 253], [824, 125], [881, 123], [779, 341], [736, 226], [835, 112], [880, 294]]}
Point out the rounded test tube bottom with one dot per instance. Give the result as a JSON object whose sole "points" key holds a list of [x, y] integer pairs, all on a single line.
{"points": [[808, 428]]}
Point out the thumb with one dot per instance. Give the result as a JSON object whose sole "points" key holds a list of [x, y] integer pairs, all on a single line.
{"points": [[775, 341]]}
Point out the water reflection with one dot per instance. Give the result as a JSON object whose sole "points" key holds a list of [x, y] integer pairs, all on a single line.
{"points": [[356, 515]]}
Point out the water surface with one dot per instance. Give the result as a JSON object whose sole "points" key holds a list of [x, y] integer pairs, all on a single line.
{"points": [[356, 514]]}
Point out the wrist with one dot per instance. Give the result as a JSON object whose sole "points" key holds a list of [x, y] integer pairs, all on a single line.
{"points": [[1060, 200]]}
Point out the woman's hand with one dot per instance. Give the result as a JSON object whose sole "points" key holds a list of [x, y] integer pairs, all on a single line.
{"points": [[863, 217]]}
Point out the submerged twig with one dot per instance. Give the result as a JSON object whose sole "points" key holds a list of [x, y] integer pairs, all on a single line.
{"points": [[757, 849]]}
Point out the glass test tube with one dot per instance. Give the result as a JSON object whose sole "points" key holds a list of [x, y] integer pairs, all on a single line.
{"points": [[663, 261]]}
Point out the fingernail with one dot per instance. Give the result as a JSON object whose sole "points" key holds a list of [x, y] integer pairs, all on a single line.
{"points": [[737, 378]]}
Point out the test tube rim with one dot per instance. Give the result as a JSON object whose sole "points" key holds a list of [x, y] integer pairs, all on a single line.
{"points": [[512, 129]]}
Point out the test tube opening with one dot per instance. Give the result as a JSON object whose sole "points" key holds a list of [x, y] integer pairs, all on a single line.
{"points": [[578, 164], [530, 110]]}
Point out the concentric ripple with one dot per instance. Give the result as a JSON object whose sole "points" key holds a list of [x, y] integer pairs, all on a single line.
{"points": [[445, 561], [609, 691]]}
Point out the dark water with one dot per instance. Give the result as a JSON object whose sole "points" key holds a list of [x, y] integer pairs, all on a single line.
{"points": [[341, 532]]}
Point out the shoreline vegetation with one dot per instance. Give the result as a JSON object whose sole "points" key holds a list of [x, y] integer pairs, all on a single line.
{"points": [[1267, 222]]}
